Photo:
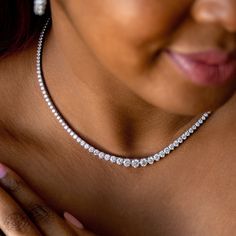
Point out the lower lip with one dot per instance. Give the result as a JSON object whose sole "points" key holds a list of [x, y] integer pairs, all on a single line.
{"points": [[202, 73]]}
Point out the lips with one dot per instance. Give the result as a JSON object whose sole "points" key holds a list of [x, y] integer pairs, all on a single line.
{"points": [[206, 68]]}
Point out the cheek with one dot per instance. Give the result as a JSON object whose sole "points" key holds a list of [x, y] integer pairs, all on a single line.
{"points": [[126, 32], [126, 35], [143, 21]]}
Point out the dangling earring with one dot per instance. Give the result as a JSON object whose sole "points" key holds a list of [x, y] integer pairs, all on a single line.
{"points": [[39, 7]]}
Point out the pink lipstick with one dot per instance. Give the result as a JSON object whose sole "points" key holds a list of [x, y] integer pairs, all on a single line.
{"points": [[206, 68]]}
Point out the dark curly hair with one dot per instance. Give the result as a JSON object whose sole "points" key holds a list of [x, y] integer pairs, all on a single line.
{"points": [[18, 25]]}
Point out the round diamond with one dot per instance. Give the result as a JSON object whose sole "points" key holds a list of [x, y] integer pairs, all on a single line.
{"points": [[119, 161], [187, 134], [107, 157], [96, 152], [176, 143], [162, 154], [101, 155], [167, 150], [157, 157], [171, 146], [143, 162], [113, 159], [200, 121], [78, 140], [71, 132], [91, 149], [135, 163], [150, 160], [86, 146], [127, 162], [180, 140], [191, 130], [82, 142]]}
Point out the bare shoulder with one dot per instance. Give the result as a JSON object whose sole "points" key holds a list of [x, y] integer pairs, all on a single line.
{"points": [[227, 116], [14, 71], [223, 172], [222, 130]]}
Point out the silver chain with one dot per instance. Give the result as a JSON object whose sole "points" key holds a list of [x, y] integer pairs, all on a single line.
{"points": [[119, 160]]}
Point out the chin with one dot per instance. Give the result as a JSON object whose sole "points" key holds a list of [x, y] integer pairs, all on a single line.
{"points": [[168, 88], [187, 100], [187, 108]]}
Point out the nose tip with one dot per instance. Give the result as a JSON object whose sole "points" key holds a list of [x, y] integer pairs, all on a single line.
{"points": [[221, 12]]}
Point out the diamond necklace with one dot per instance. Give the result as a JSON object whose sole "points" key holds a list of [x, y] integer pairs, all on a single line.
{"points": [[119, 160]]}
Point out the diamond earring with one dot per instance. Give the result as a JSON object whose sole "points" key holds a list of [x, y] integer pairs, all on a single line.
{"points": [[39, 7]]}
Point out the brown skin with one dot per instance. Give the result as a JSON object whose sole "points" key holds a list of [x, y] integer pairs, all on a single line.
{"points": [[105, 68]]}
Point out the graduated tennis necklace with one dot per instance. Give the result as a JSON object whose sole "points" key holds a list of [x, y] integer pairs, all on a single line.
{"points": [[124, 161]]}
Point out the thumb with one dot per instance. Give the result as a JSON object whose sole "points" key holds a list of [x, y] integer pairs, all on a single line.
{"points": [[76, 225]]}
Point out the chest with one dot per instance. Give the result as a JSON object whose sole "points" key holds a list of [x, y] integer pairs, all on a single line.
{"points": [[182, 194]]}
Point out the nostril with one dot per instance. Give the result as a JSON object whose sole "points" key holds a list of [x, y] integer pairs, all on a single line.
{"points": [[216, 12], [206, 12]]}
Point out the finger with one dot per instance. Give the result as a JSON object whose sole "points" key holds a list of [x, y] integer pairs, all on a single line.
{"points": [[76, 225], [13, 220], [47, 221]]}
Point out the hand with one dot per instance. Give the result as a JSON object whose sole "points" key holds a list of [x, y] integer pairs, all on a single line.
{"points": [[22, 212]]}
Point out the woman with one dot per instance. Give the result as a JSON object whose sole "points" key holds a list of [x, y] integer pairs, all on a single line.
{"points": [[127, 78]]}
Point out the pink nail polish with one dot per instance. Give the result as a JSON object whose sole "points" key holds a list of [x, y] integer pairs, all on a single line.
{"points": [[3, 170], [73, 220]]}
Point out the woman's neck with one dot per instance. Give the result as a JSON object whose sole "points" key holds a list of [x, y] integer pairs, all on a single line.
{"points": [[97, 105]]}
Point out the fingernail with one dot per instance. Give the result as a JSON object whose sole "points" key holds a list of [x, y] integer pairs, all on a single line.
{"points": [[73, 220], [3, 171]]}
